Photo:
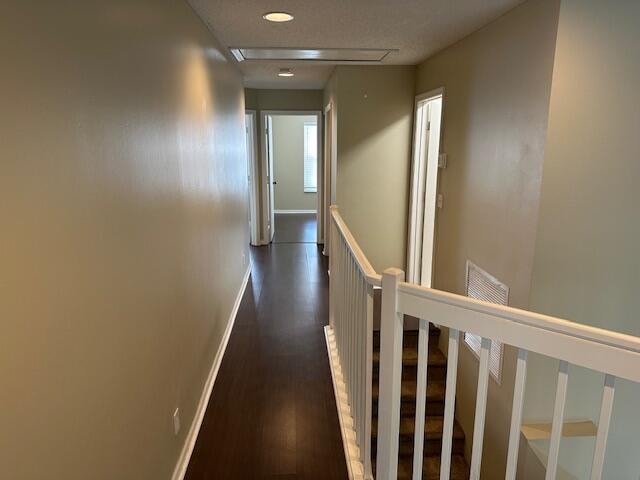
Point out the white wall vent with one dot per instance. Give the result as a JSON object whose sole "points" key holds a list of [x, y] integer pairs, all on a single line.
{"points": [[482, 286]]}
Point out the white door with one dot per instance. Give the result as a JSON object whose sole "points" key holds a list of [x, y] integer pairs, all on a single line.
{"points": [[248, 143], [424, 189], [271, 182], [252, 168], [327, 177]]}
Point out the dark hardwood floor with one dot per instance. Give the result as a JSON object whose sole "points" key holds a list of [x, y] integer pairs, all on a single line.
{"points": [[272, 413], [295, 228]]}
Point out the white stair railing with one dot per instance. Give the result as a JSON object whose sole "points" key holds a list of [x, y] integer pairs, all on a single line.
{"points": [[351, 333], [614, 354]]}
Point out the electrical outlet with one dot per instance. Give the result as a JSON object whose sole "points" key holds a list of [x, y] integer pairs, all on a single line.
{"points": [[176, 421]]}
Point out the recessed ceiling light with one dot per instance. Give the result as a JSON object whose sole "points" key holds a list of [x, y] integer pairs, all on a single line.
{"points": [[285, 72], [278, 16]]}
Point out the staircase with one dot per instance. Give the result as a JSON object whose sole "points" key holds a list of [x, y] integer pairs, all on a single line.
{"points": [[437, 372], [356, 290]]}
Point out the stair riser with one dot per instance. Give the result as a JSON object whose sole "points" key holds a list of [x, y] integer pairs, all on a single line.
{"points": [[408, 409], [431, 447], [434, 341], [410, 372]]}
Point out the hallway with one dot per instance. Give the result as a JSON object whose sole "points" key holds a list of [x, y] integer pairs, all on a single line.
{"points": [[272, 412]]}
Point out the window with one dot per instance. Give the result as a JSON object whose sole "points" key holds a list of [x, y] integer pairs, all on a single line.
{"points": [[310, 157], [482, 286]]}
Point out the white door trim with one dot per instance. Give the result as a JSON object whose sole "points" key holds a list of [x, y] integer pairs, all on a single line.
{"points": [[418, 177], [266, 213], [293, 212], [252, 153], [329, 182]]}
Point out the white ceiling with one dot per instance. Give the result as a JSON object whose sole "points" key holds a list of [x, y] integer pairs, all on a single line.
{"points": [[417, 28]]}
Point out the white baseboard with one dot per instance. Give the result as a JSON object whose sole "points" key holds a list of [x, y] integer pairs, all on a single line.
{"points": [[355, 468], [293, 211], [190, 441]]}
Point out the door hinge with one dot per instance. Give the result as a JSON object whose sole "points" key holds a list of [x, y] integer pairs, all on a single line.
{"points": [[428, 125], [439, 200]]}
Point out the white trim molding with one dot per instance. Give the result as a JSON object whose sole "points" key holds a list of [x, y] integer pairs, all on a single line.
{"points": [[253, 168], [287, 212], [355, 468], [190, 440], [266, 236]]}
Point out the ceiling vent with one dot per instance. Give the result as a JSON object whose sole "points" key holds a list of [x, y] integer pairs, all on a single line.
{"points": [[312, 54]]}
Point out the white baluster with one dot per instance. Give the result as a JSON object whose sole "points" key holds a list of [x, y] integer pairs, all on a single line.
{"points": [[332, 279], [516, 415], [368, 382], [343, 306], [558, 420], [481, 409], [421, 398], [359, 354], [450, 403], [352, 327], [603, 426], [390, 377]]}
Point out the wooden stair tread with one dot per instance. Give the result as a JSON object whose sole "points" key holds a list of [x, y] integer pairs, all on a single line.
{"points": [[431, 468], [434, 422], [410, 357], [433, 428], [435, 390]]}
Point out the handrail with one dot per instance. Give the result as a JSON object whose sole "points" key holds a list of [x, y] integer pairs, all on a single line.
{"points": [[538, 320], [545, 322], [373, 278]]}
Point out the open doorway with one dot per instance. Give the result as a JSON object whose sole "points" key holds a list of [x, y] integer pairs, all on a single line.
{"points": [[291, 156], [424, 187]]}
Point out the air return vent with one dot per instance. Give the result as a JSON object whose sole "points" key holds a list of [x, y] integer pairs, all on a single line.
{"points": [[482, 286]]}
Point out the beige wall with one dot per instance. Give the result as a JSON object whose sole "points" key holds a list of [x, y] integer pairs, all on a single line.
{"points": [[283, 99], [586, 259], [374, 123], [124, 237], [288, 153], [497, 84], [265, 99]]}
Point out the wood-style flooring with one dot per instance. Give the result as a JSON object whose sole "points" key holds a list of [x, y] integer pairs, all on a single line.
{"points": [[295, 228], [272, 413]]}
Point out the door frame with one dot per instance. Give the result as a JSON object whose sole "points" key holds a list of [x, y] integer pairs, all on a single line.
{"points": [[329, 173], [252, 167], [418, 177], [264, 165]]}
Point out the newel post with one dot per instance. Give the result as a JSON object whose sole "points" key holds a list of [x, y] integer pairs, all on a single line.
{"points": [[391, 326]]}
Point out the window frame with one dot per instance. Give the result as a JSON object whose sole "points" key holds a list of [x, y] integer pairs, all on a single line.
{"points": [[305, 187]]}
